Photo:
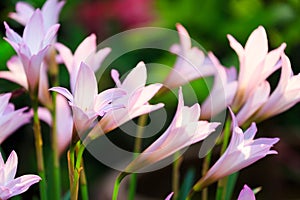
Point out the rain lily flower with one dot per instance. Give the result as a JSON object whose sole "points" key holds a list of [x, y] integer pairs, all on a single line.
{"points": [[191, 62], [223, 91], [286, 94], [85, 52], [135, 101], [242, 151], [246, 194], [32, 47], [9, 185], [50, 12], [17, 74], [184, 130], [64, 122], [10, 119], [86, 103], [254, 58]]}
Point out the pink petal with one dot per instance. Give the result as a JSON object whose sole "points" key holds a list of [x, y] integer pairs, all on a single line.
{"points": [[64, 122], [185, 39], [95, 60], [86, 87], [256, 47], [51, 10], [115, 76], [86, 47], [63, 91], [10, 168], [22, 184], [16, 73], [254, 102], [246, 194], [81, 120], [43, 93], [50, 35], [23, 13], [106, 97], [4, 99], [169, 196], [66, 55], [34, 32], [136, 78]]}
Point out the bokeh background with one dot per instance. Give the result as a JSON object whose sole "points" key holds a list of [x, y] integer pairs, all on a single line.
{"points": [[208, 22]]}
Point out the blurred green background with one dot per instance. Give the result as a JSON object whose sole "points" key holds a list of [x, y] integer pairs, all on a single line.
{"points": [[208, 22]]}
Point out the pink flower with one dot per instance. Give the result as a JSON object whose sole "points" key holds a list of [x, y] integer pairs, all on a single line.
{"points": [[254, 58], [86, 103], [286, 94], [32, 47], [223, 91], [246, 194], [86, 52], [50, 12], [9, 186], [10, 119], [191, 62], [17, 74], [135, 101], [64, 122], [242, 151], [184, 131]]}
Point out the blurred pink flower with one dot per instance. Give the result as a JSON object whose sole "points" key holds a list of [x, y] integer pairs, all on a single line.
{"points": [[135, 101], [123, 14], [50, 12], [242, 151], [86, 103], [246, 194], [184, 131], [191, 62], [9, 186], [10, 119], [86, 52], [32, 47], [286, 94], [223, 91], [254, 58], [64, 122], [17, 74]]}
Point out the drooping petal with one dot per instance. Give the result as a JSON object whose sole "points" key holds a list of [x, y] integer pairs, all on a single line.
{"points": [[63, 91], [22, 184]]}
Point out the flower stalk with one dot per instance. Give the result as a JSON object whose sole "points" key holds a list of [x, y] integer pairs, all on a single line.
{"points": [[39, 148]]}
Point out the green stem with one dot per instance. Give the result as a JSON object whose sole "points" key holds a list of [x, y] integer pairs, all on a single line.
{"points": [[222, 183], [39, 148], [77, 170], [53, 70], [83, 184], [55, 152], [137, 148], [117, 185], [176, 175], [205, 167]]}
